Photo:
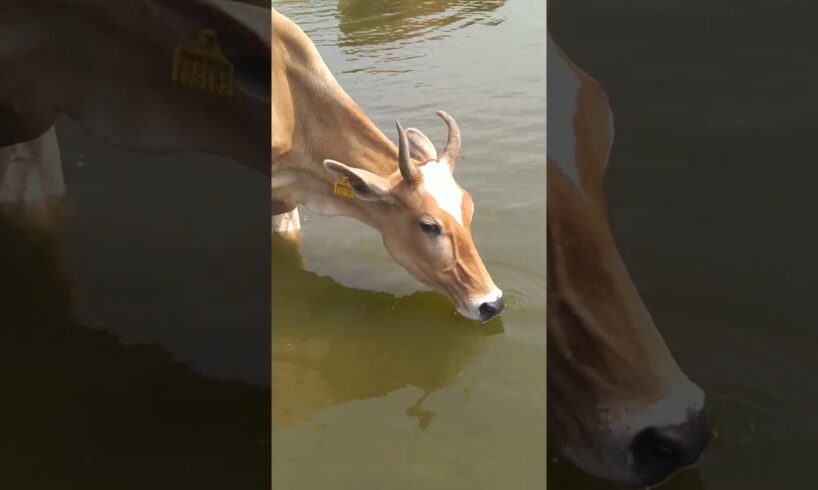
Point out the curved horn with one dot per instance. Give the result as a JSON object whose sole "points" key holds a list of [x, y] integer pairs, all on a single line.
{"points": [[452, 150], [407, 169]]}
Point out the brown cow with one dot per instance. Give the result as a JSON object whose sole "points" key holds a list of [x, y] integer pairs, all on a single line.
{"points": [[618, 404], [97, 61], [330, 157]]}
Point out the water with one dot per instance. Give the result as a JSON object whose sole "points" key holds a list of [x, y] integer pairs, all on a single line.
{"points": [[376, 382], [134, 327], [118, 371], [711, 189]]}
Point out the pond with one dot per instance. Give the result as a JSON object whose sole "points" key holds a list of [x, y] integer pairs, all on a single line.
{"points": [[134, 338], [377, 383]]}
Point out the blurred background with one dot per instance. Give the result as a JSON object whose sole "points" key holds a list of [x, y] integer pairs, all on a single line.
{"points": [[711, 193]]}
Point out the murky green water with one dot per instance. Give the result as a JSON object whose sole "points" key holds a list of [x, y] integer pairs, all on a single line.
{"points": [[134, 329], [711, 189], [108, 369], [377, 383]]}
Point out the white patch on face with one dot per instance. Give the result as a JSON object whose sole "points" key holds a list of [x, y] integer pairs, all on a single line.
{"points": [[440, 184], [683, 400], [563, 85]]}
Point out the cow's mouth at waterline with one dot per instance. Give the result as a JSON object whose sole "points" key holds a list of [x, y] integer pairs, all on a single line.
{"points": [[484, 309]]}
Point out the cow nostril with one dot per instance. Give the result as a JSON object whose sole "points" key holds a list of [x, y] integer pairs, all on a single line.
{"points": [[490, 309], [655, 454], [486, 311], [658, 452], [653, 451]]}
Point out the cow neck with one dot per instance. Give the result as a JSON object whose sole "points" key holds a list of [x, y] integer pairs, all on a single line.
{"points": [[351, 137], [328, 121], [344, 133], [329, 125]]}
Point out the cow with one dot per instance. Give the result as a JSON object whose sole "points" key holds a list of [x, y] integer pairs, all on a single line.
{"points": [[619, 407], [329, 157], [116, 68]]}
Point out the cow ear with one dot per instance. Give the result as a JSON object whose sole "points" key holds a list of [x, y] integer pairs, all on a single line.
{"points": [[420, 147], [366, 185], [242, 32]]}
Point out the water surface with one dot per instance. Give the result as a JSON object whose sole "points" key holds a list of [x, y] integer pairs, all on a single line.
{"points": [[377, 383]]}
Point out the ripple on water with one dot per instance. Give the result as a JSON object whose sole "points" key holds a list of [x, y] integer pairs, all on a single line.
{"points": [[744, 413]]}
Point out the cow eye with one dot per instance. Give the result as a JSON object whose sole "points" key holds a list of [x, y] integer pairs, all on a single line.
{"points": [[430, 228]]}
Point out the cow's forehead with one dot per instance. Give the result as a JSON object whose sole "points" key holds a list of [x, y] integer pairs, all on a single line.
{"points": [[441, 186]]}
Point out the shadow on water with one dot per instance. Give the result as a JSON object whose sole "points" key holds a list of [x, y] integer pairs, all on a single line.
{"points": [[372, 22], [341, 344], [82, 410]]}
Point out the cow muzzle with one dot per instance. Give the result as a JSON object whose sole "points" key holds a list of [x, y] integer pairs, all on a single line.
{"points": [[484, 308], [648, 445], [669, 435]]}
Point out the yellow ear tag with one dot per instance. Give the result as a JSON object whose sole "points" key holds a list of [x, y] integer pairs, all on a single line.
{"points": [[343, 188], [201, 65]]}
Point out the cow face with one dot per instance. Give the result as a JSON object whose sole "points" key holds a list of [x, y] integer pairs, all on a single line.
{"points": [[425, 219]]}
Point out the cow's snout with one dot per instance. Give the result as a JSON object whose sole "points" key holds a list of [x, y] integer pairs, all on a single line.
{"points": [[491, 306], [658, 452], [489, 310]]}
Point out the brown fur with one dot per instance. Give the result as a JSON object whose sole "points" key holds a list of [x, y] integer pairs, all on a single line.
{"points": [[314, 120], [606, 358]]}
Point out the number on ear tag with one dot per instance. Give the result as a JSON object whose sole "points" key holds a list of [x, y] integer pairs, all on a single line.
{"points": [[201, 65], [343, 188]]}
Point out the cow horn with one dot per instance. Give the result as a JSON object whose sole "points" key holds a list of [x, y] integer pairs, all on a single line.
{"points": [[452, 150], [407, 168]]}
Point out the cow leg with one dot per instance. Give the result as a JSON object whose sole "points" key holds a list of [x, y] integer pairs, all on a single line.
{"points": [[287, 224], [34, 262], [287, 232], [31, 179], [425, 417]]}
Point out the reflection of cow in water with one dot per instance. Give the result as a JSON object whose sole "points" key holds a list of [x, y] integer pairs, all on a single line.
{"points": [[91, 409], [330, 351], [366, 22]]}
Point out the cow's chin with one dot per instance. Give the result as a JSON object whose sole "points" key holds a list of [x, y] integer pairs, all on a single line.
{"points": [[469, 313], [466, 309], [483, 308], [608, 458]]}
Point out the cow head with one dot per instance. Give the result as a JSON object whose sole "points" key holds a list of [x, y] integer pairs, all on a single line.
{"points": [[619, 406], [425, 219]]}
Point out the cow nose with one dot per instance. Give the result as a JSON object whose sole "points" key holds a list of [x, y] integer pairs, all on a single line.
{"points": [[490, 309], [658, 452]]}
